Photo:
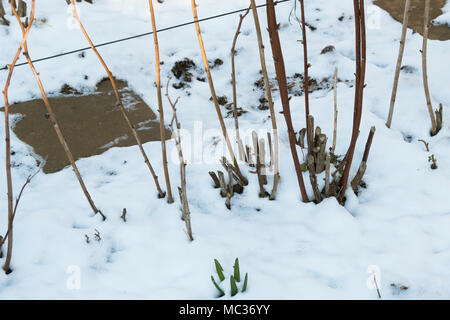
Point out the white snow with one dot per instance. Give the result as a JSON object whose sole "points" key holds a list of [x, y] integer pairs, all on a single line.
{"points": [[445, 17], [291, 250]]}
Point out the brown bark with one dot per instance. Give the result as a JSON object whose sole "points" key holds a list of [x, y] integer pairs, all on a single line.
{"points": [[281, 79], [360, 61], [160, 105], [306, 66]]}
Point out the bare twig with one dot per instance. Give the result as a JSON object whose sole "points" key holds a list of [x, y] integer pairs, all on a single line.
{"points": [[161, 194], [306, 67], [424, 67], [333, 147], [58, 131], [186, 214], [3, 20], [399, 61], [281, 79], [262, 192], [262, 58], [124, 215], [426, 144], [213, 93], [363, 166], [233, 81], [360, 61], [160, 105], [376, 286], [30, 177], [7, 264]]}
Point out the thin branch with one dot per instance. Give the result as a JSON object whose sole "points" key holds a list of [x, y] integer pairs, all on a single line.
{"points": [[360, 61], [160, 105], [161, 194], [6, 266], [424, 67], [282, 83], [58, 131], [268, 91], [186, 214], [213, 92], [233, 81], [333, 147], [399, 61], [30, 177]]}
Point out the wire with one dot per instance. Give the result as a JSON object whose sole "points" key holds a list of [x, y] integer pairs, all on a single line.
{"points": [[139, 35]]}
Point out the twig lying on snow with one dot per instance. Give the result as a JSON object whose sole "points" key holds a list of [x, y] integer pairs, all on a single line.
{"points": [[161, 194]]}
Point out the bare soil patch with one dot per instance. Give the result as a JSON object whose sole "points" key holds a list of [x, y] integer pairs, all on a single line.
{"points": [[91, 123], [396, 9]]}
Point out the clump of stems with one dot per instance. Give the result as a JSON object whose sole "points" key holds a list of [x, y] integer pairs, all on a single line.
{"points": [[160, 105], [268, 91], [213, 93], [282, 83], [161, 194]]}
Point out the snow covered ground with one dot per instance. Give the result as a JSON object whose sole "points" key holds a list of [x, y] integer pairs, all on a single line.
{"points": [[398, 228]]}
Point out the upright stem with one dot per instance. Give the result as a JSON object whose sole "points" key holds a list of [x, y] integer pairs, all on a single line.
{"points": [[233, 81], [161, 194], [58, 131], [268, 88], [399, 62], [6, 266], [186, 214], [160, 105], [306, 75], [360, 61], [282, 83], [213, 92], [333, 146], [424, 67], [2, 14]]}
